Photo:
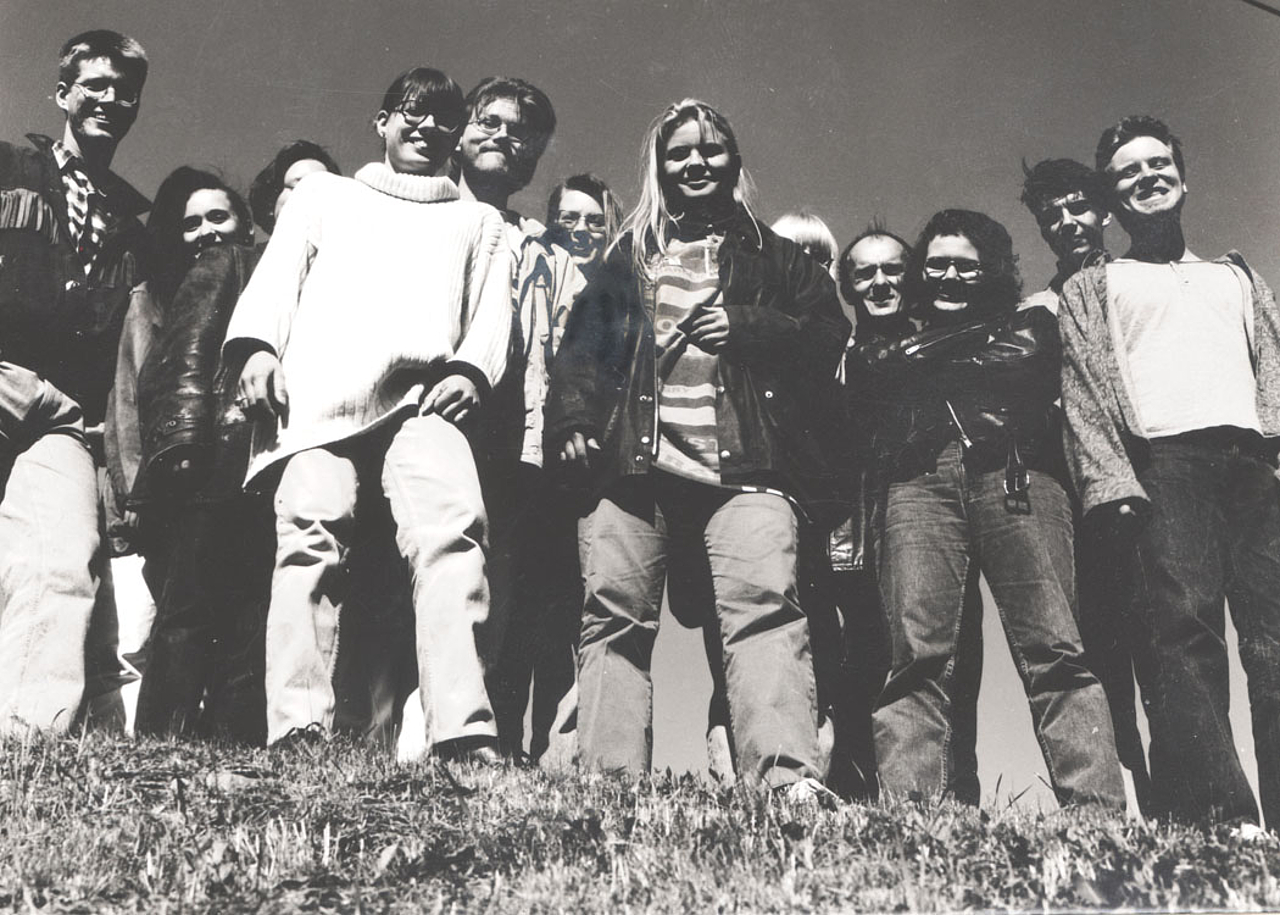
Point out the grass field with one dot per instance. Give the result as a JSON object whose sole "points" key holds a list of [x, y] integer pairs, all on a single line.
{"points": [[98, 824]]}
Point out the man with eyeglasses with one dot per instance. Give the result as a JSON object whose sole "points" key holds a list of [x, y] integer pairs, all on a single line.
{"points": [[509, 123], [1171, 388], [69, 234]]}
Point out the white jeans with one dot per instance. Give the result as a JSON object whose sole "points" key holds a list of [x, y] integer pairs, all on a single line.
{"points": [[428, 475]]}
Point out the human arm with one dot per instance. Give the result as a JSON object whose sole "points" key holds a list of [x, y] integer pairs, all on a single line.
{"points": [[484, 330], [1093, 435], [591, 364], [176, 397]]}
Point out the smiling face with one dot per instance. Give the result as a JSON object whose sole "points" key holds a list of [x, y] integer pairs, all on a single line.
{"points": [[209, 218], [413, 145], [697, 167], [877, 264], [101, 104], [952, 272], [580, 225], [498, 148], [1145, 179], [1072, 226]]}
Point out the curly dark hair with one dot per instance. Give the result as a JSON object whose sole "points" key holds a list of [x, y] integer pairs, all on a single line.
{"points": [[166, 256], [269, 182], [1002, 283], [1050, 179]]}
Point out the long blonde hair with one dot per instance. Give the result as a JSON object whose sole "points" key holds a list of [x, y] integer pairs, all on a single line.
{"points": [[649, 222]]}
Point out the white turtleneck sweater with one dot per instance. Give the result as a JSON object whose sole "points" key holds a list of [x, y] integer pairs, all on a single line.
{"points": [[369, 287]]}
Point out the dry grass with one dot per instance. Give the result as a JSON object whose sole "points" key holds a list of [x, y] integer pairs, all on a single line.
{"points": [[98, 824]]}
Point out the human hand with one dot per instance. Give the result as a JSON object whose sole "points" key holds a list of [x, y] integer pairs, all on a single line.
{"points": [[261, 390], [454, 398], [577, 450], [710, 329], [1123, 518]]}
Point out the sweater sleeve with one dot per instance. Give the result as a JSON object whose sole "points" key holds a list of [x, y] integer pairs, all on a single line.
{"points": [[264, 313], [481, 354], [1093, 434]]}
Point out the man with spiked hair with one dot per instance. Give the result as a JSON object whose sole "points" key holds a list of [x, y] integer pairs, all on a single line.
{"points": [[69, 235], [1171, 388], [1069, 202]]}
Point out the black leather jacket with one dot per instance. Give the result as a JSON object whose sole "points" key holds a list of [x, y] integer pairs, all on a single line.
{"points": [[991, 384], [778, 414], [186, 397]]}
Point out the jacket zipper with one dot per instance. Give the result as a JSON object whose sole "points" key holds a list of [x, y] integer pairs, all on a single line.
{"points": [[964, 437]]}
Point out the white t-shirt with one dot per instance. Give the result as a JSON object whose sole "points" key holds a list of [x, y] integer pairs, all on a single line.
{"points": [[1186, 328]]}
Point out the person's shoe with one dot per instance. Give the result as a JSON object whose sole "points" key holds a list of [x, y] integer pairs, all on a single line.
{"points": [[310, 737], [479, 750], [807, 792]]}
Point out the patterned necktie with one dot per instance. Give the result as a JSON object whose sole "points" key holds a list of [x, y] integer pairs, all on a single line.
{"points": [[85, 228]]}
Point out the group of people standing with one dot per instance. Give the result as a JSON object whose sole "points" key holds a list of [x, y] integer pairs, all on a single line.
{"points": [[419, 462]]}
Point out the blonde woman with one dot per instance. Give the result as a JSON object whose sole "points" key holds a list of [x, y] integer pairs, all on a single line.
{"points": [[683, 392]]}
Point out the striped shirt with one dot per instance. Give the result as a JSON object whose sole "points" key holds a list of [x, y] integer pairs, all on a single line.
{"points": [[687, 279]]}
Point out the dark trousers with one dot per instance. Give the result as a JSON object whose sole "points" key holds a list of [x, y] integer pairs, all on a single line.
{"points": [[1214, 532], [209, 567], [539, 647]]}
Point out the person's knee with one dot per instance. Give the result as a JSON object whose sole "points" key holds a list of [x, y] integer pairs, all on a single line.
{"points": [[316, 486]]}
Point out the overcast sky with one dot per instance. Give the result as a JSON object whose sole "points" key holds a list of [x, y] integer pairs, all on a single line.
{"points": [[854, 108]]}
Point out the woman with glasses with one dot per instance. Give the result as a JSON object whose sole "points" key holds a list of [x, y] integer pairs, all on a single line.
{"points": [[178, 449], [583, 217], [685, 389], [968, 472], [374, 326]]}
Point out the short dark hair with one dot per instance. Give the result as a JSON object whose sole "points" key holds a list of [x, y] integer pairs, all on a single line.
{"points": [[533, 103], [995, 252], [844, 266], [165, 257], [1050, 179], [269, 182], [1132, 127], [595, 188], [424, 82], [121, 50]]}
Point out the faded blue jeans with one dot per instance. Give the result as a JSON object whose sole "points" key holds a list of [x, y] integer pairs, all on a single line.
{"points": [[51, 559], [936, 526], [1214, 532], [750, 541]]}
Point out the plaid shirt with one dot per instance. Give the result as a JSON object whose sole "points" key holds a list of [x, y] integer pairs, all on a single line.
{"points": [[86, 206]]}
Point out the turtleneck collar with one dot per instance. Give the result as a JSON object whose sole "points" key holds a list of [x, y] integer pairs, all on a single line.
{"points": [[418, 188]]}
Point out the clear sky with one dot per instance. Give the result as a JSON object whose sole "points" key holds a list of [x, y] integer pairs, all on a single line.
{"points": [[855, 108]]}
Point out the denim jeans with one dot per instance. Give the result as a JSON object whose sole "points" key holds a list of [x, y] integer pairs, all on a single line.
{"points": [[426, 471], [51, 559], [750, 541], [936, 527], [1214, 532]]}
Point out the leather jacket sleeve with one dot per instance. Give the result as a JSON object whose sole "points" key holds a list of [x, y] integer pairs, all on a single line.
{"points": [[176, 396], [593, 360]]}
